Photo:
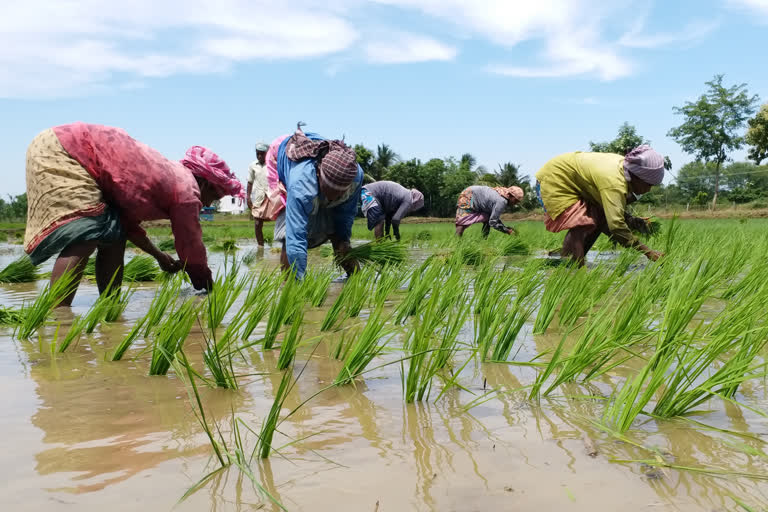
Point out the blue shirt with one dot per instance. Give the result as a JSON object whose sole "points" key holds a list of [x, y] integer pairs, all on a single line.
{"points": [[304, 199]]}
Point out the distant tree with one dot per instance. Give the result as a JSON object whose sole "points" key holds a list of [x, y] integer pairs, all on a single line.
{"points": [[15, 209], [626, 140], [507, 174], [712, 124], [385, 158], [467, 162], [757, 136], [695, 177], [364, 157]]}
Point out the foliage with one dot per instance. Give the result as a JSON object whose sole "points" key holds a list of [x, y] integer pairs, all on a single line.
{"points": [[626, 140], [20, 271], [757, 135], [15, 209]]}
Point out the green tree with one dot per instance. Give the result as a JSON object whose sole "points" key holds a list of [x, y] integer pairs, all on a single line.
{"points": [[695, 177], [385, 158], [712, 123], [507, 174], [626, 140], [364, 157], [757, 136]]}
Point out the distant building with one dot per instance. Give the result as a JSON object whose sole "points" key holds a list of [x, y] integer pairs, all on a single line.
{"points": [[233, 205]]}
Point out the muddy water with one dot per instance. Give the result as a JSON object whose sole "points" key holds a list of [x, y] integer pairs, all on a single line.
{"points": [[83, 433]]}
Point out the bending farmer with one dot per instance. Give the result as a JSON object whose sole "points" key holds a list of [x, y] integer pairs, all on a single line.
{"points": [[322, 183], [479, 203], [586, 193], [89, 187], [387, 202]]}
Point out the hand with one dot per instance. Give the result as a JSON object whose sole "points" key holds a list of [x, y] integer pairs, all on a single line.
{"points": [[654, 255], [249, 203], [350, 266], [511, 231], [168, 263]]}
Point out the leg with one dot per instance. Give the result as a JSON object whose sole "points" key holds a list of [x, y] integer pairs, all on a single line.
{"points": [[378, 230], [284, 265], [109, 266], [576, 240], [258, 227], [73, 258], [460, 230], [486, 229], [387, 224]]}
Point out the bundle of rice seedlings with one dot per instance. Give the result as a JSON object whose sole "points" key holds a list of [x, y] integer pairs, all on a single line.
{"points": [[421, 283], [170, 336], [351, 300], [74, 333], [9, 316], [362, 350], [164, 297], [268, 427], [554, 288], [116, 302], [515, 246], [126, 343], [250, 257], [291, 342], [226, 289], [509, 329], [225, 246], [390, 279], [35, 314], [217, 355], [315, 286], [141, 268], [20, 271], [167, 245], [378, 252], [288, 303]]}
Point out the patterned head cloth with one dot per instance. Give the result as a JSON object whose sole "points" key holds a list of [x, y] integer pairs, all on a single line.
{"points": [[417, 200], [512, 194], [207, 165], [262, 146], [644, 163], [338, 162]]}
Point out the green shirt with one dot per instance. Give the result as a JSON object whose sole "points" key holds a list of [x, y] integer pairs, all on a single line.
{"points": [[596, 178]]}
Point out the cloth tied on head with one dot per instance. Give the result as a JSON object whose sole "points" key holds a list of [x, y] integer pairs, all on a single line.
{"points": [[514, 194], [644, 163], [262, 146], [337, 161], [417, 200], [207, 165]]}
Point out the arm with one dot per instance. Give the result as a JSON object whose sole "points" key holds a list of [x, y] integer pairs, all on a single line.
{"points": [[248, 192], [614, 203], [343, 215], [188, 236], [402, 211], [494, 219], [299, 203]]}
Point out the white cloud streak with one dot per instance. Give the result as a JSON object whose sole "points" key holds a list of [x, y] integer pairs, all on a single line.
{"points": [[407, 48]]}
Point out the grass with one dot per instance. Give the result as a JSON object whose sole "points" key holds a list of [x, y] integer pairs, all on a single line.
{"points": [[20, 271]]}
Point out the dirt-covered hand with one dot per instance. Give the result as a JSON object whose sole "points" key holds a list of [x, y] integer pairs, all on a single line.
{"points": [[168, 263]]}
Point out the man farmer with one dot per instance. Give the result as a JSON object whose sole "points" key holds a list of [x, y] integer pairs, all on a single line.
{"points": [[479, 203], [587, 193], [385, 203], [257, 192]]}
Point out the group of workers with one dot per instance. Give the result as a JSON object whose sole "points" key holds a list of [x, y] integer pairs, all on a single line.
{"points": [[89, 188]]}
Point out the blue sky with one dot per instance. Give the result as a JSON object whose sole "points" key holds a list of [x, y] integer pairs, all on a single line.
{"points": [[504, 80]]}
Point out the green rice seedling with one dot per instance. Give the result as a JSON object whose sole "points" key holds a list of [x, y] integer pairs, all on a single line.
{"points": [[34, 315], [363, 349], [126, 343], [227, 246], [492, 311], [141, 268], [448, 335], [170, 336], [351, 300], [515, 246], [269, 425], [116, 304], [671, 233], [217, 356], [257, 301], [315, 286], [509, 329], [288, 303], [20, 271], [472, 254], [9, 316], [226, 289], [164, 297], [73, 334], [422, 280], [249, 258], [378, 252], [390, 278], [167, 245], [554, 288], [486, 277], [291, 342]]}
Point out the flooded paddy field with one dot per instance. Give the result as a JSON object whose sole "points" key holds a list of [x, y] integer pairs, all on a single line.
{"points": [[548, 421]]}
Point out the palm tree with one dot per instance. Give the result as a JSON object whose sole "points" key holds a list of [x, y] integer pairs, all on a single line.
{"points": [[385, 158], [507, 174], [467, 162]]}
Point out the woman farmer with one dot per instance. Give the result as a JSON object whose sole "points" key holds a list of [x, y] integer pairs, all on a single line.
{"points": [[386, 203], [319, 181], [479, 203], [90, 186], [586, 193], [257, 191]]}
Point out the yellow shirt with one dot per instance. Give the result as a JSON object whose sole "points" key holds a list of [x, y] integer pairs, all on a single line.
{"points": [[596, 178]]}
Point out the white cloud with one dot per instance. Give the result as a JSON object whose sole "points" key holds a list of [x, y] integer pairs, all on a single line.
{"points": [[758, 6], [693, 32], [405, 48]]}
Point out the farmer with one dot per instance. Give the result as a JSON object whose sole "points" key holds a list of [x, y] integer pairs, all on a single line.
{"points": [[258, 188], [586, 193], [387, 202], [479, 203], [319, 183], [90, 186]]}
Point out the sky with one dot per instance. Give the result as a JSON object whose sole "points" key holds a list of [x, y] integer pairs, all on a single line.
{"points": [[504, 80]]}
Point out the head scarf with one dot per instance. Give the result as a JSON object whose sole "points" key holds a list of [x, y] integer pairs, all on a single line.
{"points": [[338, 162], [417, 200], [644, 163], [261, 146], [513, 194], [207, 165]]}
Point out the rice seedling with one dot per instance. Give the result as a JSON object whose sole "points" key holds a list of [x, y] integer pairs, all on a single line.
{"points": [[226, 288], [378, 252], [217, 357], [351, 299], [390, 279], [492, 311], [20, 271], [35, 314], [290, 342], [164, 297], [671, 234], [288, 303], [249, 258], [9, 316], [227, 246], [509, 329], [167, 245], [315, 286], [116, 304], [421, 282], [73, 334], [515, 246], [269, 425], [257, 301], [141, 268], [126, 343], [359, 352], [554, 288], [170, 336]]}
